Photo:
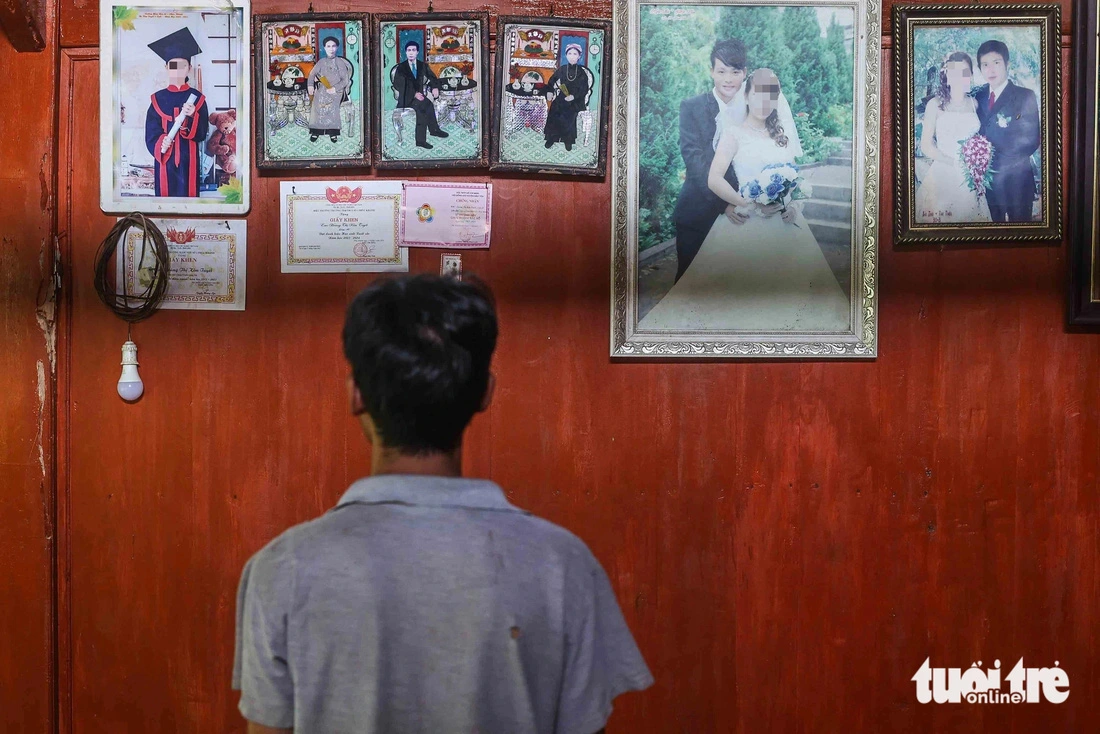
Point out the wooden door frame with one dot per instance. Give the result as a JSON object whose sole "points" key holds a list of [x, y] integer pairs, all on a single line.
{"points": [[67, 118]]}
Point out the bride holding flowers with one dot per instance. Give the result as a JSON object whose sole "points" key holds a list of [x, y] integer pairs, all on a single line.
{"points": [[950, 191], [761, 269]]}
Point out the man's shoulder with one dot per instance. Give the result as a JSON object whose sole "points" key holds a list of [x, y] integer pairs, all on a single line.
{"points": [[308, 536], [283, 551], [554, 537], [698, 102], [1022, 91]]}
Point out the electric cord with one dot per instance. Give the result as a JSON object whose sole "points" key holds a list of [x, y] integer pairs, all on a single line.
{"points": [[133, 307]]}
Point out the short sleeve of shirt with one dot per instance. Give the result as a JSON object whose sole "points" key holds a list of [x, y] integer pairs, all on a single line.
{"points": [[260, 670], [601, 658]]}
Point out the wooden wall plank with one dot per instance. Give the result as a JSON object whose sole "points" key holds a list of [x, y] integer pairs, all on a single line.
{"points": [[27, 318]]}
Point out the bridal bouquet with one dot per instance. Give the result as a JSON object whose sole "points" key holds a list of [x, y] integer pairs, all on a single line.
{"points": [[780, 183], [976, 154]]}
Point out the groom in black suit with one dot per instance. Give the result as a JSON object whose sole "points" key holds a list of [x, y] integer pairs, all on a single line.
{"points": [[698, 207], [414, 81], [1009, 117]]}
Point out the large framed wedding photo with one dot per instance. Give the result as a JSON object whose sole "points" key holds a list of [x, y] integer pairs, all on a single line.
{"points": [[311, 90], [977, 134], [745, 172], [1084, 237], [551, 95], [173, 107], [431, 90]]}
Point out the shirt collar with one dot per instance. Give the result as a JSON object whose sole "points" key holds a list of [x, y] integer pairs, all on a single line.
{"points": [[721, 105], [428, 491], [999, 90], [181, 88]]}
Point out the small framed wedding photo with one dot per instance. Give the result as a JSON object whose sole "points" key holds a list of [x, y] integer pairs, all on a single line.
{"points": [[311, 90], [431, 90], [551, 95], [977, 146]]}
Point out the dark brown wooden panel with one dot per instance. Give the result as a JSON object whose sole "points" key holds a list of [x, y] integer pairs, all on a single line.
{"points": [[24, 23]]}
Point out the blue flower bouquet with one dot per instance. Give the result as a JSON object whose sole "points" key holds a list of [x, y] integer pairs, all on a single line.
{"points": [[780, 183]]}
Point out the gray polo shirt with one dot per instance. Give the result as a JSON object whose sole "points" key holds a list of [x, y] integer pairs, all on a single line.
{"points": [[430, 604]]}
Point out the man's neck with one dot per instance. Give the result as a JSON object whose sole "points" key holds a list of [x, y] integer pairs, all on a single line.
{"points": [[392, 461], [722, 97], [997, 90]]}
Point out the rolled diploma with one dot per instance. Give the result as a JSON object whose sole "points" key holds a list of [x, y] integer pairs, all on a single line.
{"points": [[176, 127]]}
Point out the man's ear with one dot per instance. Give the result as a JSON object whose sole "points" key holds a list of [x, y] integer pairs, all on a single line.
{"points": [[489, 388], [355, 398]]}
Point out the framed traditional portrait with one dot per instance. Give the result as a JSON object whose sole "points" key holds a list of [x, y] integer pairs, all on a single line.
{"points": [[745, 171], [431, 99], [551, 95], [977, 110], [174, 119], [311, 90], [1084, 223]]}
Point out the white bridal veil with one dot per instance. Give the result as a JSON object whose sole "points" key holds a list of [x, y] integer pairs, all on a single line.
{"points": [[736, 111]]}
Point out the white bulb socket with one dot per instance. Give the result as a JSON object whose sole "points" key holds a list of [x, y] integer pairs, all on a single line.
{"points": [[130, 386]]}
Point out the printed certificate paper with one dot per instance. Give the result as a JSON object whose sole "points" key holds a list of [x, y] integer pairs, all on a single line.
{"points": [[207, 269], [451, 216], [341, 227]]}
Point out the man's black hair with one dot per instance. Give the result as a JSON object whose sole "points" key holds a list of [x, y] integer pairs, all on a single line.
{"points": [[420, 348], [411, 43], [993, 47], [730, 52]]}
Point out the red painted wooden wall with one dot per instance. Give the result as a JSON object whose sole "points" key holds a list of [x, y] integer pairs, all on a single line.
{"points": [[789, 541], [27, 506]]}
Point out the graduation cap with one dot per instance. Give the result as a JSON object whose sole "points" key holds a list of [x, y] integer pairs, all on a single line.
{"points": [[178, 45]]}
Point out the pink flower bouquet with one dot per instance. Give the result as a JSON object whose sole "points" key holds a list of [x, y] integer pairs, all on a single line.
{"points": [[977, 154]]}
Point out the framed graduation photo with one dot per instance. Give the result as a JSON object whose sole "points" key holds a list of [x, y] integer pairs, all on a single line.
{"points": [[431, 99], [174, 122], [745, 179], [977, 134], [311, 90], [551, 95]]}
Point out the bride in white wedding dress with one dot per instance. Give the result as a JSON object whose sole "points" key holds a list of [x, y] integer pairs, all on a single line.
{"points": [[949, 118], [765, 273]]}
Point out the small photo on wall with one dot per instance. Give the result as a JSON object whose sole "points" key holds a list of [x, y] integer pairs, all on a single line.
{"points": [[174, 123], [551, 96], [311, 90], [978, 136], [431, 99]]}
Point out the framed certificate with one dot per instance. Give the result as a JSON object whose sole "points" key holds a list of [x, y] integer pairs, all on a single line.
{"points": [[341, 227], [208, 260], [447, 215]]}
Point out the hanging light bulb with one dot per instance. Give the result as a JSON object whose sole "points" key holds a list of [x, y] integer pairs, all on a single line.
{"points": [[130, 386]]}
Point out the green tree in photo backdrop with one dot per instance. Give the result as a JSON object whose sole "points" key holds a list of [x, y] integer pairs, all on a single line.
{"points": [[674, 66], [815, 71]]}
